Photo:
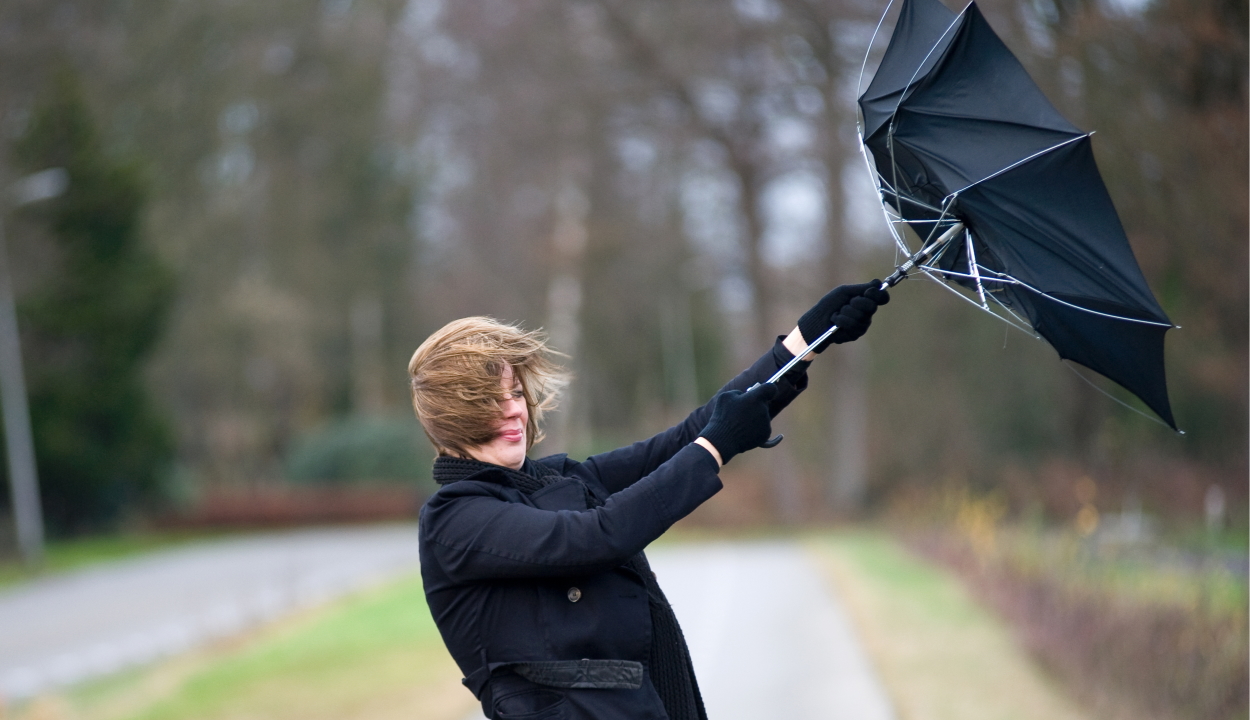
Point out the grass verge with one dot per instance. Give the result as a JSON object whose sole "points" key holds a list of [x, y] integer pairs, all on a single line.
{"points": [[1136, 632], [939, 654], [374, 656]]}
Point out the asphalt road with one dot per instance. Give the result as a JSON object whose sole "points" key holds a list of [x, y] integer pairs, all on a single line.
{"points": [[85, 624], [767, 638]]}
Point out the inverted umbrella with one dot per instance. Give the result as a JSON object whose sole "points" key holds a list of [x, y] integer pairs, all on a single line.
{"points": [[1006, 197]]}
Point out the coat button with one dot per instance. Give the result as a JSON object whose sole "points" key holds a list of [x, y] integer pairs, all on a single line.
{"points": [[574, 594]]}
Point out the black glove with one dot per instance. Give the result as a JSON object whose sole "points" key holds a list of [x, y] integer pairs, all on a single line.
{"points": [[740, 420], [850, 307]]}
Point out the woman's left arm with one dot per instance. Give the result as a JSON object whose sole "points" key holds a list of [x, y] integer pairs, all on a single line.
{"points": [[850, 307], [617, 469]]}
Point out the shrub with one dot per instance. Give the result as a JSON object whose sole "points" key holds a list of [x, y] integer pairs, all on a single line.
{"points": [[362, 449]]}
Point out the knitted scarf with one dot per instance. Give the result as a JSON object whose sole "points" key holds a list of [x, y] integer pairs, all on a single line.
{"points": [[669, 664]]}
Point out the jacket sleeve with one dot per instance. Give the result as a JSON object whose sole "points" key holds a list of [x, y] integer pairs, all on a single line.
{"points": [[475, 535], [617, 469]]}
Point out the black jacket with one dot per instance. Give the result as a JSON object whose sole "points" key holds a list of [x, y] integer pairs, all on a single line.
{"points": [[533, 593]]}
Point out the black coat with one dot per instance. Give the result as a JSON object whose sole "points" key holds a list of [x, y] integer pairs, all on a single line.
{"points": [[532, 592]]}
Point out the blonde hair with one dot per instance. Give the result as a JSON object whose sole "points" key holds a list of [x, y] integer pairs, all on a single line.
{"points": [[455, 377]]}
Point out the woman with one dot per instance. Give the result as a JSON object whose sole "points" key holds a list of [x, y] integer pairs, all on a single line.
{"points": [[533, 569]]}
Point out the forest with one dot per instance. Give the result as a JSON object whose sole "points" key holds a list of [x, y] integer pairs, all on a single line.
{"points": [[271, 204]]}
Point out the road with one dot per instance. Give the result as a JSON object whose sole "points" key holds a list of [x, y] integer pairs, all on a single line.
{"points": [[767, 638], [89, 623]]}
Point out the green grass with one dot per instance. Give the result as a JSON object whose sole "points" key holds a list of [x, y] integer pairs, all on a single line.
{"points": [[940, 655], [376, 655]]}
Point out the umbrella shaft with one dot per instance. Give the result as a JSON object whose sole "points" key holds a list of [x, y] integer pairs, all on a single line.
{"points": [[895, 278], [798, 358], [924, 253]]}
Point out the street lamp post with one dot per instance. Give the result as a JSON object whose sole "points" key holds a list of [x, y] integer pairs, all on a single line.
{"points": [[23, 479]]}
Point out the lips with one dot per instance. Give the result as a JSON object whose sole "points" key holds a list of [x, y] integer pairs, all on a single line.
{"points": [[516, 435]]}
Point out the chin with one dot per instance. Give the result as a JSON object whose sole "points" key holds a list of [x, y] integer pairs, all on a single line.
{"points": [[511, 457], [500, 453]]}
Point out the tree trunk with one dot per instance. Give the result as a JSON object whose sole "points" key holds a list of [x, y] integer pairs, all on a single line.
{"points": [[564, 303], [847, 465]]}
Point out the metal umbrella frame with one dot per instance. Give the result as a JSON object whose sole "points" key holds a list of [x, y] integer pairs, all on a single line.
{"points": [[1004, 195]]}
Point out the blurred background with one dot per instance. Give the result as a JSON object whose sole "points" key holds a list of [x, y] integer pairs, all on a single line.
{"points": [[270, 205]]}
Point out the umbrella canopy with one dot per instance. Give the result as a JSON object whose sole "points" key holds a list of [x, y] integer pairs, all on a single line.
{"points": [[959, 133]]}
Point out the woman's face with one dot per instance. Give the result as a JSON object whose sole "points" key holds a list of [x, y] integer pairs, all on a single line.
{"points": [[508, 446]]}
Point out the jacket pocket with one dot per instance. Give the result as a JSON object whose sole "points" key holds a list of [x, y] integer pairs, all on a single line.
{"points": [[536, 704], [604, 615]]}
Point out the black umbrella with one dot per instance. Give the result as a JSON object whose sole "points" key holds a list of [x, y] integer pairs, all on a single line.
{"points": [[1006, 197]]}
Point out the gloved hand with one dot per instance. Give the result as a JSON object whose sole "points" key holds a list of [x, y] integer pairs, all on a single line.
{"points": [[850, 307], [740, 420]]}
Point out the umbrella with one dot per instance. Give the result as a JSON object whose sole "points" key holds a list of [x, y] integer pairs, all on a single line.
{"points": [[1006, 197]]}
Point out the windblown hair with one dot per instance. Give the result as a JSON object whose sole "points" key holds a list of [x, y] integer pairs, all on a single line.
{"points": [[455, 377]]}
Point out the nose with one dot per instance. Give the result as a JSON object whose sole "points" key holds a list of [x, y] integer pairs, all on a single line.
{"points": [[512, 406]]}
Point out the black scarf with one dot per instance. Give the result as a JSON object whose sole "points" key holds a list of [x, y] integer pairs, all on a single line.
{"points": [[672, 673], [531, 477]]}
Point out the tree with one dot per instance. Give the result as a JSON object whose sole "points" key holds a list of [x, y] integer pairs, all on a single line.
{"points": [[90, 324]]}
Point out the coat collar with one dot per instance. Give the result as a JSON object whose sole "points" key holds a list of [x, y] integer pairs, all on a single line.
{"points": [[531, 477]]}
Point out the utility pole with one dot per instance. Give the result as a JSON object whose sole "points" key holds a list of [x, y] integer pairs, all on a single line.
{"points": [[23, 479]]}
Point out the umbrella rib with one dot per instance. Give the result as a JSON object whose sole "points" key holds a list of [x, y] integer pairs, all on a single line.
{"points": [[931, 272], [898, 241], [1024, 323], [859, 84], [889, 140], [1005, 278], [900, 246], [1070, 364], [1021, 161], [914, 201], [972, 265], [946, 208]]}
